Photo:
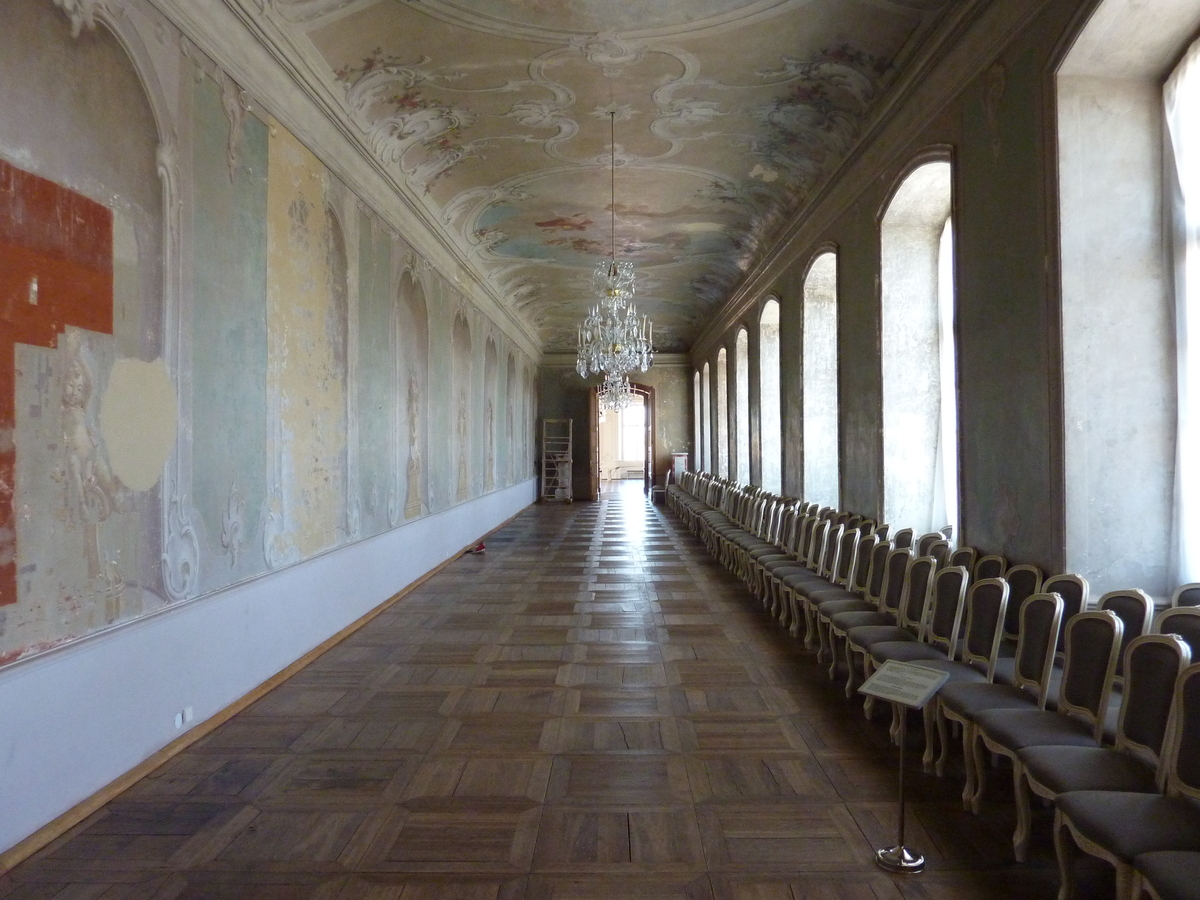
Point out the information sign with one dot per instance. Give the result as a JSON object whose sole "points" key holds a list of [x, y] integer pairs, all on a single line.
{"points": [[908, 684]]}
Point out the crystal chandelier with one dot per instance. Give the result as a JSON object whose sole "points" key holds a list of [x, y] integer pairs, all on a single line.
{"points": [[613, 339], [615, 393]]}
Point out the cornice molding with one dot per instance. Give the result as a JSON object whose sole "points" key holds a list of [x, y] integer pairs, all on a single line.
{"points": [[243, 38], [959, 50]]}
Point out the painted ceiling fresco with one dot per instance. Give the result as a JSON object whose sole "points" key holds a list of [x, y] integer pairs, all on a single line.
{"points": [[494, 115]]}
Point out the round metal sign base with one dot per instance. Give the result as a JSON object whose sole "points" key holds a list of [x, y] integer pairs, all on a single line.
{"points": [[899, 859]]}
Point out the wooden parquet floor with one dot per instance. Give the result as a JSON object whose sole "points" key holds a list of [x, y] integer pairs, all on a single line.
{"points": [[591, 710]]}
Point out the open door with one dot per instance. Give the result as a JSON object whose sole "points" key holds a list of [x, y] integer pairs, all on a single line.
{"points": [[649, 469]]}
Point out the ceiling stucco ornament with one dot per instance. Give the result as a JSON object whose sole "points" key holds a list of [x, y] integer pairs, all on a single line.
{"points": [[491, 115], [403, 126], [609, 52]]}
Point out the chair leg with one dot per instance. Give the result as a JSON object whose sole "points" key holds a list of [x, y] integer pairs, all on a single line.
{"points": [[833, 648], [849, 671], [943, 729], [810, 629], [894, 731], [1124, 880], [1064, 853], [1024, 814], [968, 744], [929, 717], [980, 757]]}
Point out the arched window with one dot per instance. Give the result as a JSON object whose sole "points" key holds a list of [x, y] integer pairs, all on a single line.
{"points": [[697, 428], [722, 414], [820, 382], [920, 458], [769, 417], [1182, 107], [741, 354], [706, 418], [1128, 386]]}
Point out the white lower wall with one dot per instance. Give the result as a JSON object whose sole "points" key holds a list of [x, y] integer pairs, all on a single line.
{"points": [[75, 719]]}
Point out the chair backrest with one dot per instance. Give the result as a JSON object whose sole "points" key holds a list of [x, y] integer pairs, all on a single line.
{"points": [[1093, 642], [1152, 665], [1040, 623], [1183, 621], [1186, 595], [860, 571], [1135, 609], [845, 558], [914, 602], [903, 539], [882, 531], [896, 570], [1183, 742], [1074, 591], [925, 541], [816, 539], [940, 551], [965, 557], [802, 538], [879, 557], [1023, 582], [991, 566], [947, 599], [987, 601], [828, 561]]}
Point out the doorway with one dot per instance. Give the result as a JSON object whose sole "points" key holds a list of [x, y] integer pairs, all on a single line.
{"points": [[623, 444]]}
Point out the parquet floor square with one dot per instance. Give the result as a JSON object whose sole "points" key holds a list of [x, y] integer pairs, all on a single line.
{"points": [[592, 710]]}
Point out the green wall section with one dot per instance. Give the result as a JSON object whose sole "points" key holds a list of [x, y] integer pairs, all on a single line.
{"points": [[229, 326]]}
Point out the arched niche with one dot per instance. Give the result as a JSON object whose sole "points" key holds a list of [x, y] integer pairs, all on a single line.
{"points": [[81, 127], [491, 388], [461, 405], [412, 330], [511, 398]]}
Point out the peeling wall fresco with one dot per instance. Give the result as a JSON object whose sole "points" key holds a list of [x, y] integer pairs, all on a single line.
{"points": [[195, 397]]}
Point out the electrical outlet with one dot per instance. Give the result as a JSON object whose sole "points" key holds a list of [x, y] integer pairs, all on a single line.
{"points": [[188, 715]]}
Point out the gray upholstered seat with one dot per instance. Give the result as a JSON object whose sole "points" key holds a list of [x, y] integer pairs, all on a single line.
{"points": [[1168, 874], [1117, 825]]}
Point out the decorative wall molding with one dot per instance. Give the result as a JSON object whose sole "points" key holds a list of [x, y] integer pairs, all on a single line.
{"points": [[181, 551], [82, 13]]}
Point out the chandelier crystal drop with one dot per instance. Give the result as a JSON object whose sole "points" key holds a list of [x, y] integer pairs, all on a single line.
{"points": [[613, 339]]}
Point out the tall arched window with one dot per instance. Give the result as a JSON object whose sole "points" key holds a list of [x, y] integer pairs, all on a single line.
{"points": [[770, 419], [741, 355], [706, 418], [920, 459], [722, 414], [1125, 373], [697, 428], [820, 377]]}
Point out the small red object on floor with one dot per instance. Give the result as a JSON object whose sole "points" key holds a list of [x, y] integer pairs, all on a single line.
{"points": [[479, 548]]}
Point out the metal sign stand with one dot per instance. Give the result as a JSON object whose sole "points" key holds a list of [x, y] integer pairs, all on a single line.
{"points": [[912, 686]]}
